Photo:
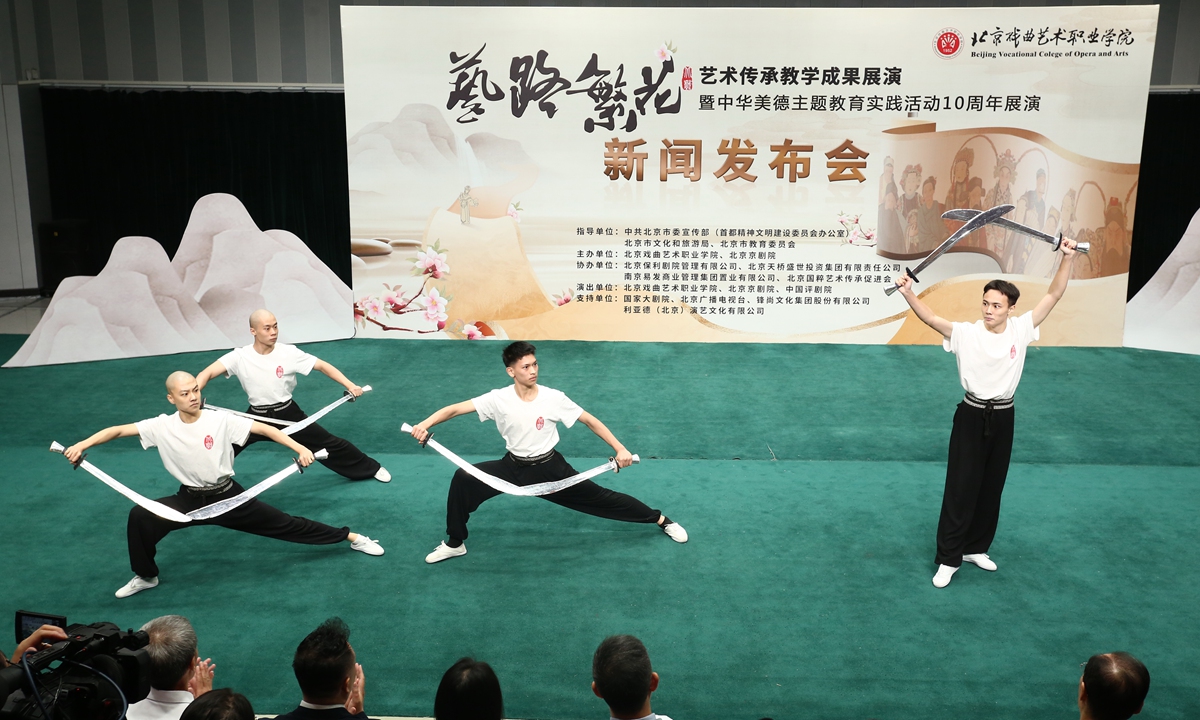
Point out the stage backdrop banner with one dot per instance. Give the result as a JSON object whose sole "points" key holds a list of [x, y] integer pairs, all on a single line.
{"points": [[690, 174]]}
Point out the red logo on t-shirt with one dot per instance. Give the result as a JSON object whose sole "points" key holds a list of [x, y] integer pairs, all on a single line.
{"points": [[540, 423], [208, 442], [1012, 354], [279, 371]]}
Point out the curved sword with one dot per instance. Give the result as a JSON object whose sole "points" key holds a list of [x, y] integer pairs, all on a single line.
{"points": [[977, 221], [967, 214]]}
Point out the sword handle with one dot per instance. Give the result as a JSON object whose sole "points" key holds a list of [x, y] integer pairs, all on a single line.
{"points": [[365, 389], [406, 428], [617, 468], [57, 447], [894, 288], [1083, 247]]}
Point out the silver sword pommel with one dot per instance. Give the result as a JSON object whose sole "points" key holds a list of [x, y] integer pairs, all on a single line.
{"points": [[894, 287]]}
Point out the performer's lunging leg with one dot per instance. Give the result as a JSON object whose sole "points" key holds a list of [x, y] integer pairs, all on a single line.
{"points": [[527, 415]]}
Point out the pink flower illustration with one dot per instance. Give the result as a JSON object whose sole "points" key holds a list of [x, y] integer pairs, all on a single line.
{"points": [[371, 307], [566, 297], [472, 332], [432, 262], [664, 53], [435, 307]]}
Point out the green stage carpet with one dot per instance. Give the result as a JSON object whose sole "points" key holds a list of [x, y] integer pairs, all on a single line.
{"points": [[809, 478]]}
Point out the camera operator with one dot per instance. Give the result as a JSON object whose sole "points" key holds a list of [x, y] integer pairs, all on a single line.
{"points": [[38, 640], [177, 674]]}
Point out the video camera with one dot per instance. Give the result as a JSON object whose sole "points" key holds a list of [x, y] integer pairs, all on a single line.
{"points": [[95, 674]]}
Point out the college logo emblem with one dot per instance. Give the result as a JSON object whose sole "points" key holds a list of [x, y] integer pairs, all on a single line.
{"points": [[541, 423], [279, 371], [208, 442], [1012, 354], [947, 42]]}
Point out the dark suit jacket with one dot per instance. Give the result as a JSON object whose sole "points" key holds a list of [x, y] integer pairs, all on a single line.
{"points": [[303, 713]]}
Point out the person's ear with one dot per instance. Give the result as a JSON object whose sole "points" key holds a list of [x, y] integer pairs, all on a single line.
{"points": [[596, 691], [653, 681], [510, 372], [348, 682], [1082, 694]]}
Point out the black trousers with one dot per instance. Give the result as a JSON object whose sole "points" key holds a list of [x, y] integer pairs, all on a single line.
{"points": [[145, 528], [344, 458], [980, 448], [467, 493]]}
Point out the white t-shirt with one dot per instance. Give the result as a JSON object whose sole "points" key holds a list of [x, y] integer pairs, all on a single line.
{"points": [[268, 379], [528, 428], [990, 364], [160, 705], [198, 454]]}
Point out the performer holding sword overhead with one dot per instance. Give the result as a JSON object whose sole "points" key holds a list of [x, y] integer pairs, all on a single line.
{"points": [[991, 355], [526, 415], [267, 371], [196, 446]]}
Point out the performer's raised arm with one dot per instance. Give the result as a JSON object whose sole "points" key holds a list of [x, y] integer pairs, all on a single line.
{"points": [[421, 430], [337, 376], [623, 457], [303, 454], [923, 311], [74, 452], [217, 369], [1057, 286]]}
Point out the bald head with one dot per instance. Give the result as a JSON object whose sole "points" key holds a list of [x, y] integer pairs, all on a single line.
{"points": [[179, 379], [261, 317]]}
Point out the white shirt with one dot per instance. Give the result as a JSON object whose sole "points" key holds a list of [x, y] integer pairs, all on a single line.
{"points": [[651, 716], [268, 379], [529, 428], [990, 364], [198, 454], [160, 705]]}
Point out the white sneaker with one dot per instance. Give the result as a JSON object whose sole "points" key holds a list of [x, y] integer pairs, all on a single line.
{"points": [[982, 560], [366, 545], [136, 585], [675, 531], [944, 573], [445, 552], [382, 475]]}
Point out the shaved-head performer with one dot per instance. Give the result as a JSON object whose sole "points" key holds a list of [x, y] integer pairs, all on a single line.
{"points": [[267, 370], [196, 447]]}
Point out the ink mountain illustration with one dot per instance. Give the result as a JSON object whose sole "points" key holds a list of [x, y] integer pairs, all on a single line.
{"points": [[1165, 314], [145, 303]]}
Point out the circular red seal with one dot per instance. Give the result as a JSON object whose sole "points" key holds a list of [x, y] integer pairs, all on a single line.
{"points": [[208, 442], [541, 423], [947, 42], [279, 371]]}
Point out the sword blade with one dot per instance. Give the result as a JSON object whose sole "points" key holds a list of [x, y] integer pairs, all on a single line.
{"points": [[221, 507], [966, 214], [322, 412], [976, 221], [164, 512], [504, 486]]}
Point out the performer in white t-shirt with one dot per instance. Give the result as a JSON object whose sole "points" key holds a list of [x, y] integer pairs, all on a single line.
{"points": [[991, 355], [196, 447], [527, 416], [267, 371]]}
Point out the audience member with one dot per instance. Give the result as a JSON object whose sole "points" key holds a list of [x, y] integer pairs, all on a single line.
{"points": [[623, 678], [1113, 687], [177, 674], [331, 682], [223, 704], [469, 690]]}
